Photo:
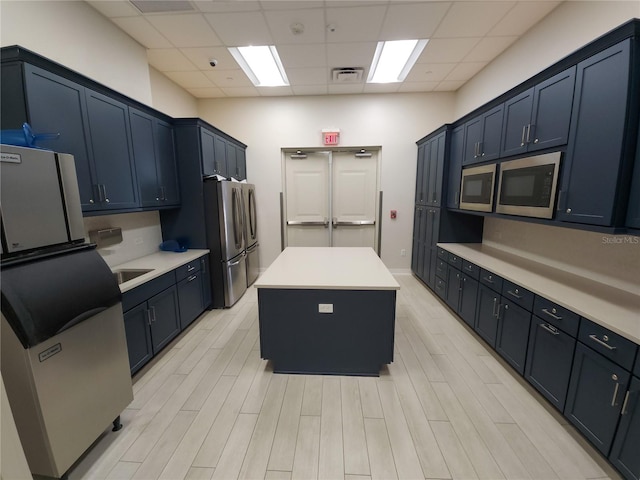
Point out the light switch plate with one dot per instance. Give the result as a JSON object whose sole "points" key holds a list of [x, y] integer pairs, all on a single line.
{"points": [[325, 308]]}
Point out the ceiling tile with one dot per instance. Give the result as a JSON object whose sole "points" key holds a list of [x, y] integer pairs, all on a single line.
{"points": [[489, 48], [522, 17], [228, 78], [449, 86], [381, 87], [312, 21], [142, 32], [415, 20], [241, 29], [115, 8], [274, 91], [169, 60], [418, 86], [432, 72], [308, 76], [355, 24], [351, 54], [447, 50], [289, 4], [185, 30], [201, 56], [309, 89], [190, 79], [206, 92], [464, 71], [343, 89], [302, 56], [219, 6], [241, 91], [471, 19]]}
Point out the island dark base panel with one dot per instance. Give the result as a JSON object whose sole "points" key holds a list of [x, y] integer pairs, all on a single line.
{"points": [[356, 339]]}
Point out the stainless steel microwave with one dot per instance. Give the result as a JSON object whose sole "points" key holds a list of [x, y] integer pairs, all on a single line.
{"points": [[476, 188], [528, 186]]}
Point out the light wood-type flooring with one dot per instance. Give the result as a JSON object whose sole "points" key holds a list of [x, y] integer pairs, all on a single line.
{"points": [[447, 407]]}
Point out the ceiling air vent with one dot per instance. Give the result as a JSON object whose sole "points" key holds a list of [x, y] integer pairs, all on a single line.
{"points": [[162, 6], [347, 75]]}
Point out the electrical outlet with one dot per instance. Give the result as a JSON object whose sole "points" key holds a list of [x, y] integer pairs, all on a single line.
{"points": [[325, 308], [138, 241], [403, 253]]}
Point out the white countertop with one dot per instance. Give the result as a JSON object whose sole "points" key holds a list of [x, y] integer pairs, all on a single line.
{"points": [[615, 309], [328, 268], [159, 263]]}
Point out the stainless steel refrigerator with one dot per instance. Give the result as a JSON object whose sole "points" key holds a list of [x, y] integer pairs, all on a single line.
{"points": [[224, 223], [251, 231]]}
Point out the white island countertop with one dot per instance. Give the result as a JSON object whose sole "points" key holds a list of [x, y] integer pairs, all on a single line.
{"points": [[159, 263], [328, 268], [615, 309]]}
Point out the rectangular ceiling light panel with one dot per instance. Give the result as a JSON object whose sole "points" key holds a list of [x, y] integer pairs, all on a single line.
{"points": [[393, 60], [261, 64], [163, 6]]}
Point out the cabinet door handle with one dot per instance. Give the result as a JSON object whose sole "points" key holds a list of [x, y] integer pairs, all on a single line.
{"points": [[604, 344], [549, 329], [551, 314], [514, 294], [529, 133], [615, 393], [524, 129], [192, 278], [487, 279], [203, 266], [104, 193], [624, 403], [153, 313], [149, 317], [498, 315], [495, 301], [190, 268]]}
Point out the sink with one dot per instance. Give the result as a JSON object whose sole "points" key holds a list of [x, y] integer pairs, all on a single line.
{"points": [[126, 275]]}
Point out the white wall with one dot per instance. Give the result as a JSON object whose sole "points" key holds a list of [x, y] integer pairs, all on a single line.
{"points": [[170, 98], [567, 28], [394, 122]]}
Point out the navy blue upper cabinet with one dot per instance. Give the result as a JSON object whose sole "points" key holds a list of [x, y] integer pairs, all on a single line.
{"points": [[207, 145], [220, 156], [241, 163], [456, 151], [436, 169], [47, 96], [231, 161], [482, 137], [154, 154], [596, 169], [112, 152], [419, 175], [539, 118]]}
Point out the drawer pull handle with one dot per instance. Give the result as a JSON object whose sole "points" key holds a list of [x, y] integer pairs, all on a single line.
{"points": [[192, 278], [624, 403], [549, 329], [190, 268], [470, 268], [604, 344], [615, 395], [514, 294], [551, 314], [487, 279]]}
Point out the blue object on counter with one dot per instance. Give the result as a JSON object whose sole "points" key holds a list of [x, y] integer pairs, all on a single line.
{"points": [[172, 246], [25, 137]]}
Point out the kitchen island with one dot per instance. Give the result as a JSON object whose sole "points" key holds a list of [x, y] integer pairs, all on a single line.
{"points": [[327, 311]]}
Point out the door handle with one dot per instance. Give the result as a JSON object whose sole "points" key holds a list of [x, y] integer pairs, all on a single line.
{"points": [[495, 301], [308, 224], [604, 344], [524, 129], [615, 390], [549, 329], [192, 278], [552, 313], [354, 223], [624, 403], [514, 294]]}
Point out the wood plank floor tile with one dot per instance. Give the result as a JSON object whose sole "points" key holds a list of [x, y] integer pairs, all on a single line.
{"points": [[526, 451], [383, 466], [197, 473], [305, 461], [284, 442], [277, 475], [331, 456], [123, 471], [236, 447], [369, 398], [457, 459], [312, 398], [356, 458]]}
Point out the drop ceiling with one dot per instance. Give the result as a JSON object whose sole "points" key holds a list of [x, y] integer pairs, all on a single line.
{"points": [[182, 38]]}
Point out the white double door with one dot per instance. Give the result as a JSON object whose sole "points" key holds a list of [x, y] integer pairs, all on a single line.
{"points": [[331, 199]]}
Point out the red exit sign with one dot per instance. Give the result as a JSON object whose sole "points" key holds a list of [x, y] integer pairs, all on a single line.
{"points": [[330, 137]]}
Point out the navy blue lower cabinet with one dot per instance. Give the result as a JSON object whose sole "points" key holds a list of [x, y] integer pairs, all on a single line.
{"points": [[595, 397], [453, 288], [190, 298], [136, 327], [549, 360], [165, 319], [468, 300], [206, 281], [625, 454], [513, 334], [487, 317]]}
